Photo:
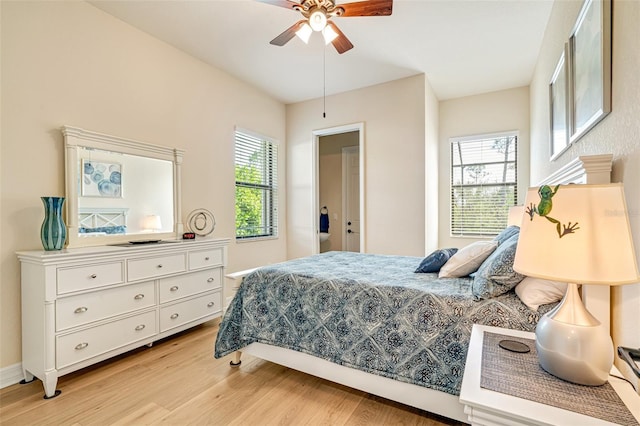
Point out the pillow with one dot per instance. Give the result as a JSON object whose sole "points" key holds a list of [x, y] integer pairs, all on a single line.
{"points": [[536, 291], [467, 259], [507, 233], [435, 260], [496, 275]]}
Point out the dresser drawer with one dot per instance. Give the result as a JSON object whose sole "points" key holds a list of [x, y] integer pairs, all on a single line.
{"points": [[189, 284], [190, 310], [205, 258], [85, 344], [85, 308], [152, 267], [89, 276]]}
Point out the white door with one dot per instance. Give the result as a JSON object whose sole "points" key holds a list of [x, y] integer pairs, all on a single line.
{"points": [[351, 197]]}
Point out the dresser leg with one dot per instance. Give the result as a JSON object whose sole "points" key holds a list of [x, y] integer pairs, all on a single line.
{"points": [[50, 382], [56, 392], [28, 377]]}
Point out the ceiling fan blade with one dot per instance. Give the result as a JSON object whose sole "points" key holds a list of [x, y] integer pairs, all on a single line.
{"points": [[281, 3], [288, 34], [367, 8], [341, 42]]}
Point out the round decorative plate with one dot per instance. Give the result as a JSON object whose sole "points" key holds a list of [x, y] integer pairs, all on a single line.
{"points": [[201, 222]]}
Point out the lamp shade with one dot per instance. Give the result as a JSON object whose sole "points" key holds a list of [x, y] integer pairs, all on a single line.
{"points": [[577, 234], [515, 215], [329, 34], [152, 223], [304, 33]]}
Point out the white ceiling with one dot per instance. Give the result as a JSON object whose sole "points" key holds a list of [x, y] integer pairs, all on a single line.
{"points": [[464, 47]]}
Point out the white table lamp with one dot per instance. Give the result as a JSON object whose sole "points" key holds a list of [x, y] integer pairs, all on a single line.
{"points": [[578, 234], [515, 215], [152, 223]]}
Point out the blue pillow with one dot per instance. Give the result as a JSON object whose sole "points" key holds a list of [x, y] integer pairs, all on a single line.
{"points": [[496, 275], [436, 260], [507, 233]]}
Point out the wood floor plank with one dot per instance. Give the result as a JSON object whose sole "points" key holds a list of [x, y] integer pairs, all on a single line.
{"points": [[332, 404], [223, 402], [178, 381], [146, 415], [283, 404]]}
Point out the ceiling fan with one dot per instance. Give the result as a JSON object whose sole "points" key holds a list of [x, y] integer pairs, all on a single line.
{"points": [[317, 14]]}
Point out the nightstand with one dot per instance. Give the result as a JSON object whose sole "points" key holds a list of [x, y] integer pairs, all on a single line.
{"points": [[487, 407]]}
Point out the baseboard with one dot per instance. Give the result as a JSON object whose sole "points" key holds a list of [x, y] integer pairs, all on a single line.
{"points": [[10, 375]]}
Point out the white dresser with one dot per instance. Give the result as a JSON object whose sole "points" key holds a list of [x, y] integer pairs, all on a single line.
{"points": [[81, 306]]}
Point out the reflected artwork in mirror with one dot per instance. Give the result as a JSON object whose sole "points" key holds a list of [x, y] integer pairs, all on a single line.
{"points": [[114, 185]]}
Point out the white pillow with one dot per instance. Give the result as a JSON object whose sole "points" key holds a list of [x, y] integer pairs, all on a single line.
{"points": [[535, 291], [467, 260]]}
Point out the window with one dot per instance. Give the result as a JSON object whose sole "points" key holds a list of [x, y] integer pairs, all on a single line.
{"points": [[483, 183], [256, 169]]}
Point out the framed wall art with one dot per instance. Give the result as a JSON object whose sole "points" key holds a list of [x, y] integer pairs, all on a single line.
{"points": [[100, 179], [558, 106], [590, 67]]}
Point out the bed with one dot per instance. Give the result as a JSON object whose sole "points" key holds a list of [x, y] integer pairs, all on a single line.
{"points": [[370, 322]]}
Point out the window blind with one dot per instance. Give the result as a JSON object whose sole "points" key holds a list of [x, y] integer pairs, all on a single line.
{"points": [[484, 184], [256, 174]]}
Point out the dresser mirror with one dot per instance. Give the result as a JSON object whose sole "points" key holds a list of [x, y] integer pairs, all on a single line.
{"points": [[120, 190]]}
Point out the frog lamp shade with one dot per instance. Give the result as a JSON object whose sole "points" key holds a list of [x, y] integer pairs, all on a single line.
{"points": [[578, 234]]}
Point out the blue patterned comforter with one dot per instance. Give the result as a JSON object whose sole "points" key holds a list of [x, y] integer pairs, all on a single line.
{"points": [[369, 312]]}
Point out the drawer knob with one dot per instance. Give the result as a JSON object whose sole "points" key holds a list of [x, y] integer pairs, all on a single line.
{"points": [[174, 316], [211, 304], [81, 309], [80, 346], [174, 288], [93, 276], [210, 280], [140, 327], [139, 296], [206, 258], [160, 265]]}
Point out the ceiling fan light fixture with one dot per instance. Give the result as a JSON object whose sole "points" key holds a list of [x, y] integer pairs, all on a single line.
{"points": [[318, 15], [304, 33], [329, 34], [318, 20]]}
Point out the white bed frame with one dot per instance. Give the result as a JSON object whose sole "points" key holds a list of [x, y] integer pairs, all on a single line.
{"points": [[594, 169], [96, 217]]}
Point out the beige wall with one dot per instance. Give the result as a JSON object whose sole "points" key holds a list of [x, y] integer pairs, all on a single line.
{"points": [[618, 134], [393, 116], [70, 63], [330, 191], [494, 112], [431, 169]]}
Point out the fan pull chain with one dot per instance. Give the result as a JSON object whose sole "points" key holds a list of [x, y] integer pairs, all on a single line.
{"points": [[324, 82]]}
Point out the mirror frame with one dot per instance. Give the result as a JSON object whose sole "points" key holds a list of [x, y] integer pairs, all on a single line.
{"points": [[76, 138]]}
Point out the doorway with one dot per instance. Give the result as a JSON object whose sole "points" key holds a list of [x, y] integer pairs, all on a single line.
{"points": [[338, 189]]}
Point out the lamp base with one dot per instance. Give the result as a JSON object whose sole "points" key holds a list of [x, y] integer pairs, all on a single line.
{"points": [[573, 345]]}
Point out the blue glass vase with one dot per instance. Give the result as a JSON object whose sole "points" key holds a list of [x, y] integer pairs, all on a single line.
{"points": [[53, 232]]}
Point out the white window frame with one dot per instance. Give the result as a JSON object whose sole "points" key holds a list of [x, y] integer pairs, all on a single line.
{"points": [[245, 140], [464, 228]]}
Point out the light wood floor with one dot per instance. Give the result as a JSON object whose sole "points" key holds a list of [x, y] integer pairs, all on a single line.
{"points": [[178, 382]]}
